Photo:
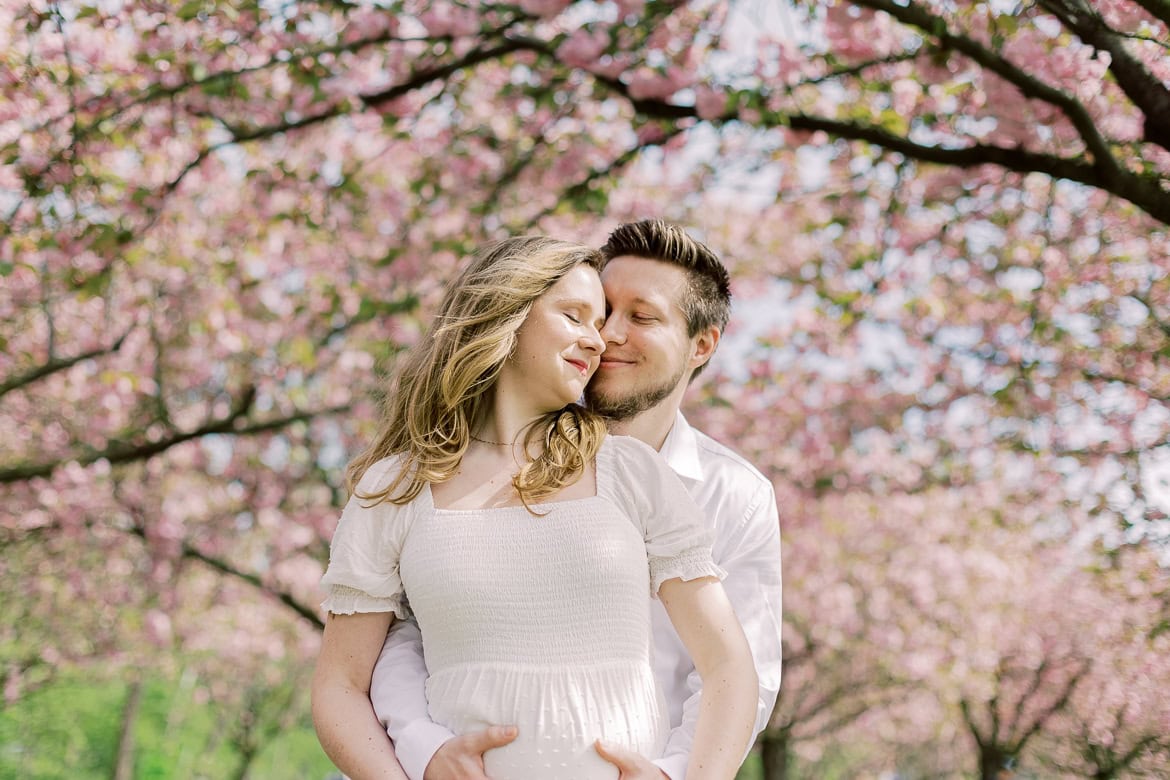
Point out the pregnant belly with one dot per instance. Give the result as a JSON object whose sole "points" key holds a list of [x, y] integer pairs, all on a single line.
{"points": [[559, 713]]}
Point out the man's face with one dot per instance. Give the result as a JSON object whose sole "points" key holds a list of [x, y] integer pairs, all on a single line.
{"points": [[648, 353]]}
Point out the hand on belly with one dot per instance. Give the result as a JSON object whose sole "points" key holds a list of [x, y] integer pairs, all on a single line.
{"points": [[547, 757]]}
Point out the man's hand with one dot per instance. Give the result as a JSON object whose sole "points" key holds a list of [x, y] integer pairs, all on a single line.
{"points": [[461, 758], [631, 765]]}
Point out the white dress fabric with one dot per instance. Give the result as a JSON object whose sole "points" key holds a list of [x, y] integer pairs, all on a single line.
{"points": [[538, 621]]}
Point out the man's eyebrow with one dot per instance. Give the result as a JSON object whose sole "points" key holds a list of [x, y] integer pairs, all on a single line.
{"points": [[640, 301]]}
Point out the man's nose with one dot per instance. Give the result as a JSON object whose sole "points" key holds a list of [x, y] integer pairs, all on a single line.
{"points": [[612, 332]]}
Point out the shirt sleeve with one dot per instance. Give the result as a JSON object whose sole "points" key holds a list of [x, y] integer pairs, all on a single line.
{"points": [[678, 536], [362, 575], [750, 551], [398, 693]]}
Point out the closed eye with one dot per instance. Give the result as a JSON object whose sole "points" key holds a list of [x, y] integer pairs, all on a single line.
{"points": [[573, 319]]}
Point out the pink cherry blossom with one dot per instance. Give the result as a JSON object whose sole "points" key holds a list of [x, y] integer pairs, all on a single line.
{"points": [[582, 48], [220, 232]]}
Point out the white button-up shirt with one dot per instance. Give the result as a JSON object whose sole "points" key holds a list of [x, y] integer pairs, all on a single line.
{"points": [[741, 504]]}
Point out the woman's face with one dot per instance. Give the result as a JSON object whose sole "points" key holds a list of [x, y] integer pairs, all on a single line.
{"points": [[559, 345]]}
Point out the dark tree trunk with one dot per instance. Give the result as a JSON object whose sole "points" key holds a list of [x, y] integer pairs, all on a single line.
{"points": [[993, 765], [774, 750], [124, 768]]}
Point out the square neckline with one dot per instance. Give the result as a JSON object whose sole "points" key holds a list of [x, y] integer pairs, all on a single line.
{"points": [[549, 505]]}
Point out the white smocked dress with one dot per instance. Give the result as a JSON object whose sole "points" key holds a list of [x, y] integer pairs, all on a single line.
{"points": [[538, 621]]}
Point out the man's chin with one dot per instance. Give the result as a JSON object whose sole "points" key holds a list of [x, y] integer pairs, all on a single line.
{"points": [[617, 406], [603, 403], [621, 403]]}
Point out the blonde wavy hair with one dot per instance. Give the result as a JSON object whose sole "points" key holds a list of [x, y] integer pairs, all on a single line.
{"points": [[442, 387]]}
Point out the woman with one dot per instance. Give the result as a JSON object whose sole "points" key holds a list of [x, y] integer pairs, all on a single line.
{"points": [[523, 539]]}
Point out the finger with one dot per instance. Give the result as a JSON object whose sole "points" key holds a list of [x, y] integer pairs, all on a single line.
{"points": [[491, 737], [615, 755]]}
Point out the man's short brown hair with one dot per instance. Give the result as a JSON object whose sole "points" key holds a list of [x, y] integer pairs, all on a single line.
{"points": [[706, 301]]}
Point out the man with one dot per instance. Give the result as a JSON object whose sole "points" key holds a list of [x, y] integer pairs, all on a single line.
{"points": [[668, 302]]}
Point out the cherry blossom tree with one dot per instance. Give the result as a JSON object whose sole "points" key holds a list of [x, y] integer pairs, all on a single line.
{"points": [[947, 228], [948, 624], [1116, 723]]}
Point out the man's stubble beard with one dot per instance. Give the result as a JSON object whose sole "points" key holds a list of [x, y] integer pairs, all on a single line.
{"points": [[634, 403]]}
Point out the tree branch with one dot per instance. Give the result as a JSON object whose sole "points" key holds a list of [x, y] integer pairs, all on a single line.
{"points": [[1145, 300], [1099, 376], [419, 79], [854, 70], [650, 107], [1145, 192], [283, 597], [276, 424], [936, 26], [840, 720], [423, 77], [1029, 691], [119, 452], [1159, 9], [1139, 85], [580, 187], [157, 91], [54, 365], [841, 704], [993, 708], [122, 452], [1055, 707], [968, 718], [188, 550], [71, 75]]}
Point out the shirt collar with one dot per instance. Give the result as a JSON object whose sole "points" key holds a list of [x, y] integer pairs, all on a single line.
{"points": [[681, 449]]}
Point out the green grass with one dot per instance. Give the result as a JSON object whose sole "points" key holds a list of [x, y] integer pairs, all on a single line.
{"points": [[70, 729], [752, 769]]}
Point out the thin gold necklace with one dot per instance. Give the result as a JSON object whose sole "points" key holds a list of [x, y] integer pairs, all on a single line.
{"points": [[489, 441]]}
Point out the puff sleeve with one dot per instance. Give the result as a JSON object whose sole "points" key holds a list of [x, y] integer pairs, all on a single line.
{"points": [[363, 574], [678, 536]]}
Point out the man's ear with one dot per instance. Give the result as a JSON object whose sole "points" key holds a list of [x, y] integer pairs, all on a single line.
{"points": [[703, 346]]}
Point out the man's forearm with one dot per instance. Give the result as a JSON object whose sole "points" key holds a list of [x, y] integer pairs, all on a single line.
{"points": [[398, 693], [351, 736]]}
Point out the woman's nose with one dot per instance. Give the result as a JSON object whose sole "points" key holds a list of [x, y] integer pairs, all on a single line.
{"points": [[593, 341]]}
